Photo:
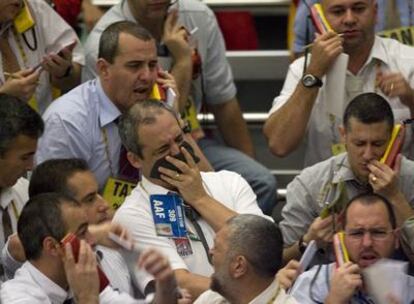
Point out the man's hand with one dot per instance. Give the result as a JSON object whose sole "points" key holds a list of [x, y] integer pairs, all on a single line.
{"points": [[100, 233], [345, 281], [189, 182], [58, 65], [22, 84], [326, 48], [288, 274], [383, 179], [167, 81], [176, 38], [395, 85], [82, 276], [321, 230], [156, 264]]}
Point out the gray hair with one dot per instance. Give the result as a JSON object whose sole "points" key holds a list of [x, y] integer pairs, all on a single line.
{"points": [[259, 240], [142, 113]]}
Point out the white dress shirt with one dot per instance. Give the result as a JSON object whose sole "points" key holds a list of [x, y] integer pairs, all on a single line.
{"points": [[135, 214]]}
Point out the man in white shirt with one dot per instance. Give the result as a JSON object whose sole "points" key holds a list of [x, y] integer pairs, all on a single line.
{"points": [[20, 127], [46, 219], [73, 177], [151, 133], [247, 254], [305, 106]]}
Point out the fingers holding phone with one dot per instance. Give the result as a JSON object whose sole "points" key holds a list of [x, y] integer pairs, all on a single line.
{"points": [[169, 85], [82, 276], [59, 64], [383, 179]]}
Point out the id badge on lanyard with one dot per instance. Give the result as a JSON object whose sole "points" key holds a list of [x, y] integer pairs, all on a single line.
{"points": [[168, 214]]}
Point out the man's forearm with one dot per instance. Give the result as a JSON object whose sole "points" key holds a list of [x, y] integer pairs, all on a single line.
{"points": [[291, 253], [194, 283], [70, 81], [182, 72], [213, 212], [286, 128], [232, 126]]}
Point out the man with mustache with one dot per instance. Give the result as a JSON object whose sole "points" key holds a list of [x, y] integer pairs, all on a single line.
{"points": [[371, 233], [375, 64], [156, 145], [368, 123], [191, 46]]}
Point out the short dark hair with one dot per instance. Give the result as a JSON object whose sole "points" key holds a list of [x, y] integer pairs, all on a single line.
{"points": [[109, 41], [369, 108], [42, 217], [141, 113], [17, 118], [370, 198], [259, 240], [52, 176]]}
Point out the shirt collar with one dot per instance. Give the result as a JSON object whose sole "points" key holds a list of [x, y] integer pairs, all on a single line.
{"points": [[342, 171], [108, 112], [4, 27], [152, 188], [378, 52], [267, 294], [54, 292], [126, 10]]}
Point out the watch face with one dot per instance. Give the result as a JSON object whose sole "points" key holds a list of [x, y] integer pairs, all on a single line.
{"points": [[309, 80]]}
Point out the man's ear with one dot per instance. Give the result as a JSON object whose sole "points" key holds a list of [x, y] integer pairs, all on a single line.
{"points": [[134, 160], [51, 247], [238, 267], [102, 66], [342, 133]]}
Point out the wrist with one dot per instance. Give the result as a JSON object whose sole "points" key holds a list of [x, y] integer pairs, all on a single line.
{"points": [[67, 73], [87, 298]]}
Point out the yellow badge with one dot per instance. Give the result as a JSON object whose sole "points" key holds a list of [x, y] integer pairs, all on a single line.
{"points": [[404, 34], [338, 149], [190, 115], [33, 103], [116, 190], [24, 20]]}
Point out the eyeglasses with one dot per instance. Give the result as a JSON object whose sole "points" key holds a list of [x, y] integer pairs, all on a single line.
{"points": [[375, 234]]}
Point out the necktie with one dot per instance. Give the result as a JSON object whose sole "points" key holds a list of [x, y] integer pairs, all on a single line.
{"points": [[193, 215], [7, 224], [126, 170], [9, 60]]}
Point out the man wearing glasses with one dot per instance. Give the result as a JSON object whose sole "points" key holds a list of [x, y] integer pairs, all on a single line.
{"points": [[368, 124], [370, 235]]}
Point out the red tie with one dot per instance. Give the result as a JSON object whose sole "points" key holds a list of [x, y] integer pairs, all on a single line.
{"points": [[126, 170]]}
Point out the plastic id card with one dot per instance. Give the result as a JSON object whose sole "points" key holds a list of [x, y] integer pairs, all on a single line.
{"points": [[168, 213]]}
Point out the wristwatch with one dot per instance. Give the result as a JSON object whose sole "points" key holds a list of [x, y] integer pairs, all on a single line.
{"points": [[311, 81], [302, 245]]}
